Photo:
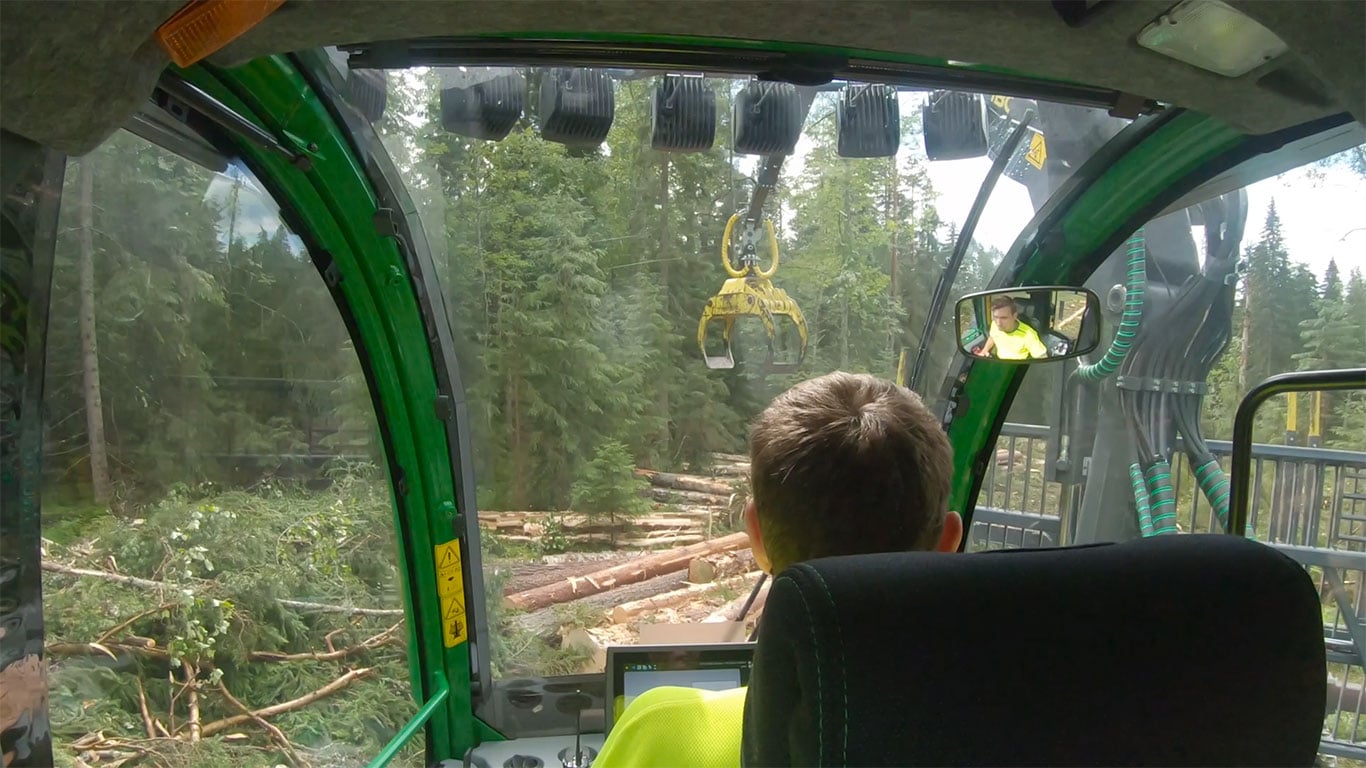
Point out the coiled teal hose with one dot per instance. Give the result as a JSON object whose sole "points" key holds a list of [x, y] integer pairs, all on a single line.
{"points": [[1145, 517], [1133, 313], [1214, 484], [1163, 508]]}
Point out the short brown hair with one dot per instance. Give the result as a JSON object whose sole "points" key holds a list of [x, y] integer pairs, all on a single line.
{"points": [[1003, 302], [848, 464]]}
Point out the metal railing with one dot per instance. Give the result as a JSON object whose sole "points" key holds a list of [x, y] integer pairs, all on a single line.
{"points": [[1307, 502]]}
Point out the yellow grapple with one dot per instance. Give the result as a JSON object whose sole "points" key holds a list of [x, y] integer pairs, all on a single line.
{"points": [[750, 293]]}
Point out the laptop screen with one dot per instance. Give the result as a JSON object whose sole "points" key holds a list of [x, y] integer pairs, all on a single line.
{"points": [[633, 670]]}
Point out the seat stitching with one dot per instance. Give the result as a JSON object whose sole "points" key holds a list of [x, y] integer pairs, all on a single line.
{"points": [[844, 677], [820, 697]]}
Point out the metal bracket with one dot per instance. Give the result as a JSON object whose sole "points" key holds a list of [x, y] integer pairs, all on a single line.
{"points": [[331, 272], [444, 407], [1167, 386], [386, 224]]}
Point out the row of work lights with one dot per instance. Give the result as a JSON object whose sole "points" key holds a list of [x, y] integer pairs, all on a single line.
{"points": [[576, 107]]}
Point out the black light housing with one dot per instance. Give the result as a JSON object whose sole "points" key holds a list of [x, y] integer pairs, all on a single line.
{"points": [[954, 126], [768, 119], [577, 106], [482, 104], [684, 116], [369, 92], [869, 119]]}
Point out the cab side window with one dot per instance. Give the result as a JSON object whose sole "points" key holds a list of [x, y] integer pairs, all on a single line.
{"points": [[222, 585]]}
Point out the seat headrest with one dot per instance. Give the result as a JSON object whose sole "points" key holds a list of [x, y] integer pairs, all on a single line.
{"points": [[1174, 650]]}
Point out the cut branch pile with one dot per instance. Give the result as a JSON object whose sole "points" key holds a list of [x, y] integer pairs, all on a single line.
{"points": [[196, 682]]}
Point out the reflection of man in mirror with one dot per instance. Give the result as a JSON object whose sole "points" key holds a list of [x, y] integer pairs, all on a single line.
{"points": [[1009, 338]]}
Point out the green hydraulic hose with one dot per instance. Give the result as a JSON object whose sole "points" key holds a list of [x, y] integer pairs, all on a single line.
{"points": [[1163, 509], [1214, 484], [1145, 518], [1129, 321]]}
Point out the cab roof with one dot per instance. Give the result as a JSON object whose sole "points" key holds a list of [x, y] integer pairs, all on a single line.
{"points": [[71, 73]]}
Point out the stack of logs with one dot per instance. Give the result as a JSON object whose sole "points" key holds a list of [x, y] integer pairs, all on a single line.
{"points": [[701, 578], [686, 510]]}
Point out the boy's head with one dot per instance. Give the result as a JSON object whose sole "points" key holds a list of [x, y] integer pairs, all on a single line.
{"points": [[848, 464]]}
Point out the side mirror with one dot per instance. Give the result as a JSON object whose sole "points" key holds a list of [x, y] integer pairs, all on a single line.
{"points": [[1029, 324]]}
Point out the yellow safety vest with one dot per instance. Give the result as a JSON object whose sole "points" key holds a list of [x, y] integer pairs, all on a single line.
{"points": [[671, 727], [1020, 344]]}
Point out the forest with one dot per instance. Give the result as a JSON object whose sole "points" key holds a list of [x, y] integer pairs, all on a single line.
{"points": [[222, 585]]}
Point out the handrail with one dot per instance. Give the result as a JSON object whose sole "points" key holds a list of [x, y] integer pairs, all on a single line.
{"points": [[406, 733], [1240, 465]]}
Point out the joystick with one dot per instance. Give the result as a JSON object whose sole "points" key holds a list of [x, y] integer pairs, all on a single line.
{"points": [[580, 756]]}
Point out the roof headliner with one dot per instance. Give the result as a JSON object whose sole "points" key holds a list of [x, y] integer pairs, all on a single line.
{"points": [[71, 73]]}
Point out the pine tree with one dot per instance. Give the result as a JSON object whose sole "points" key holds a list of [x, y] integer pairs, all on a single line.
{"points": [[1277, 297], [1332, 283]]}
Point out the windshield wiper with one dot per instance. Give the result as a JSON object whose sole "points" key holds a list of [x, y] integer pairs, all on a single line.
{"points": [[940, 299], [192, 97]]}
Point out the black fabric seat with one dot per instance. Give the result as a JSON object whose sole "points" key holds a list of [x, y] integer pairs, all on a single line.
{"points": [[1186, 650]]}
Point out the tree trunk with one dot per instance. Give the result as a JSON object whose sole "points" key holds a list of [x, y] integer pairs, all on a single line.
{"points": [[730, 611], [704, 570], [686, 483], [1247, 332], [546, 621], [635, 608], [676, 496], [90, 357], [639, 570]]}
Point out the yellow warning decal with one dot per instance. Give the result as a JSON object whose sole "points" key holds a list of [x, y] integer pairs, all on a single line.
{"points": [[1038, 151], [450, 586], [1001, 101]]}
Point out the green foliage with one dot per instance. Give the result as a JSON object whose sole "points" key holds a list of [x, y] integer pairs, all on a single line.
{"points": [[608, 485], [226, 559]]}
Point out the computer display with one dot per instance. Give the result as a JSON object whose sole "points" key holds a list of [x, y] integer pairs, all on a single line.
{"points": [[633, 670]]}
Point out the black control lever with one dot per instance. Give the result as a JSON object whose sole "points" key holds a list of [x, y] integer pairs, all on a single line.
{"points": [[581, 757]]}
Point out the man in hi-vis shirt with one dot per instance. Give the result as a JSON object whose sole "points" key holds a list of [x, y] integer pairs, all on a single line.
{"points": [[1008, 337]]}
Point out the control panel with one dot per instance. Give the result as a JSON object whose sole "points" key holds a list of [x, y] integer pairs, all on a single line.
{"points": [[538, 752]]}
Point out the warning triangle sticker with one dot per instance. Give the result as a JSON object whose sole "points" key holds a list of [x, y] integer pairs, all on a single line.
{"points": [[454, 611], [450, 558]]}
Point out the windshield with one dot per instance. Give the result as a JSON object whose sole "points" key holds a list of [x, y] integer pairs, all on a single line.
{"points": [[609, 432]]}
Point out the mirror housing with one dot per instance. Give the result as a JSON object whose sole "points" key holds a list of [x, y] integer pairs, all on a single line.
{"points": [[1046, 323]]}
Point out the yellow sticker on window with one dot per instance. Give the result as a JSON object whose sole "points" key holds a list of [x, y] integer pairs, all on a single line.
{"points": [[1038, 151], [450, 586]]}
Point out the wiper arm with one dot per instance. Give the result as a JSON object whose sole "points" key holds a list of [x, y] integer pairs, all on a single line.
{"points": [[960, 247], [222, 115]]}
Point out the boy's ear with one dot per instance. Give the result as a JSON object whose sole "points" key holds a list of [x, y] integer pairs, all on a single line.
{"points": [[756, 539], [952, 534]]}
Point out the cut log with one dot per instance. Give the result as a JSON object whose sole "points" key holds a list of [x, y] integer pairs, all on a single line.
{"points": [[731, 470], [729, 458], [546, 621], [524, 576], [704, 570], [630, 610], [663, 541], [675, 496], [628, 573], [685, 482], [731, 611]]}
